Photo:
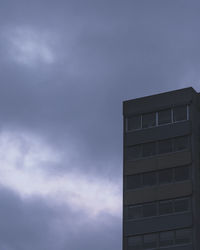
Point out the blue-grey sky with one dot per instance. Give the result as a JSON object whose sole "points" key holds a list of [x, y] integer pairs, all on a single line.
{"points": [[65, 68]]}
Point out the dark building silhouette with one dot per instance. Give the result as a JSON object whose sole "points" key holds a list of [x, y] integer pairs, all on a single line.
{"points": [[161, 198]]}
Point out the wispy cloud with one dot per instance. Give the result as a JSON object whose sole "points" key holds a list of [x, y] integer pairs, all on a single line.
{"points": [[29, 47]]}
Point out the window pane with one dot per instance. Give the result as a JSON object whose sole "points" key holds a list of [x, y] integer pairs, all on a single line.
{"points": [[180, 143], [134, 181], [133, 152], [134, 122], [165, 207], [134, 212], [166, 238], [180, 113], [135, 243], [148, 149], [164, 116], [149, 120], [150, 241], [181, 205], [165, 146], [149, 179], [183, 236], [149, 209], [182, 173], [165, 176]]}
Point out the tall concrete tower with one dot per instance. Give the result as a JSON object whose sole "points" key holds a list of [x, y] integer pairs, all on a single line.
{"points": [[161, 198]]}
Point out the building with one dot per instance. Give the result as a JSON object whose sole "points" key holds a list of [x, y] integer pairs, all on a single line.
{"points": [[161, 197]]}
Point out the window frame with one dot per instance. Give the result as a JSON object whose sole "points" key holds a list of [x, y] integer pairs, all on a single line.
{"points": [[165, 202], [135, 236], [171, 170], [132, 176], [182, 199], [183, 243], [182, 180], [158, 239], [127, 123], [157, 118], [179, 137], [165, 232], [141, 148], [149, 113], [157, 205], [167, 123], [187, 113], [155, 173]]}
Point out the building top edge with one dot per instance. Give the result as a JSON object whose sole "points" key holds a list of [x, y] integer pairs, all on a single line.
{"points": [[160, 101], [188, 89]]}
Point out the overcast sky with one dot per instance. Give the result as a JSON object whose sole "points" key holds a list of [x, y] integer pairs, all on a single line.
{"points": [[65, 68]]}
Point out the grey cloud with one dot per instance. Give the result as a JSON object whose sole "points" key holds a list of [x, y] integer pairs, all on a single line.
{"points": [[107, 51], [35, 223]]}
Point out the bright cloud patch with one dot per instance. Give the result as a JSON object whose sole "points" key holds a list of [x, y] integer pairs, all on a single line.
{"points": [[23, 159], [29, 47]]}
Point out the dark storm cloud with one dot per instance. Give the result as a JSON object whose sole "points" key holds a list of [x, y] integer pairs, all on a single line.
{"points": [[104, 52]]}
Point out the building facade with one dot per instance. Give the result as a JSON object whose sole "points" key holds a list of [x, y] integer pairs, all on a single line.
{"points": [[161, 172]]}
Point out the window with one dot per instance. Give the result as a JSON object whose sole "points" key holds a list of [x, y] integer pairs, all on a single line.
{"points": [[183, 236], [150, 241], [134, 122], [133, 152], [165, 207], [182, 173], [158, 147], [149, 179], [134, 212], [180, 113], [166, 238], [165, 176], [149, 120], [164, 117], [148, 149], [181, 205], [165, 146], [158, 208], [149, 209], [135, 243], [134, 181], [180, 143]]}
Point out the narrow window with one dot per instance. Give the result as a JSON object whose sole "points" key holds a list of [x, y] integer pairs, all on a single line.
{"points": [[135, 243], [150, 241], [148, 149], [149, 209], [182, 173], [133, 181], [165, 176], [180, 143], [183, 236], [180, 113], [149, 120], [181, 205], [149, 179], [134, 122], [134, 152], [165, 207], [165, 146], [164, 117], [134, 212], [166, 238]]}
